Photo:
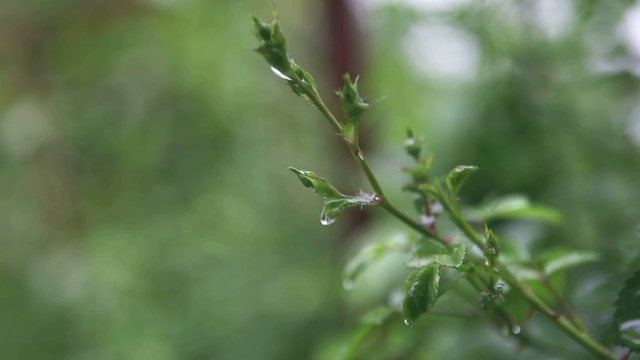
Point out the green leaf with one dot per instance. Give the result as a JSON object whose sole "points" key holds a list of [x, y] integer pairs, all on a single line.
{"points": [[513, 207], [422, 292], [457, 176], [353, 106], [334, 201], [627, 315], [493, 248], [412, 146], [368, 323], [427, 252], [448, 278], [362, 261], [456, 258], [430, 252], [273, 45], [562, 259]]}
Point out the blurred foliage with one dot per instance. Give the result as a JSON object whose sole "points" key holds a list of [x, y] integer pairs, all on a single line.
{"points": [[147, 212]]}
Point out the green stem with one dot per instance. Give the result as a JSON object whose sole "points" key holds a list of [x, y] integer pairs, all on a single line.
{"points": [[582, 338], [571, 313], [366, 168], [316, 100], [566, 326]]}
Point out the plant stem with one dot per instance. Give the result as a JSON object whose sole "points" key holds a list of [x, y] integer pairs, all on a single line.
{"points": [[572, 331], [315, 99], [566, 326], [571, 313]]}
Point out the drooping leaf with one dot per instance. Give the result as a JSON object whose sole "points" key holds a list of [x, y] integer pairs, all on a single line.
{"points": [[513, 207], [457, 176], [334, 201], [421, 293], [362, 261], [562, 259], [627, 315], [368, 323]]}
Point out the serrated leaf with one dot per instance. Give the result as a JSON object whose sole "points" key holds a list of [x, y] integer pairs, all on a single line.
{"points": [[433, 252], [422, 292], [627, 314], [334, 201], [456, 257], [563, 259], [513, 207], [457, 176]]}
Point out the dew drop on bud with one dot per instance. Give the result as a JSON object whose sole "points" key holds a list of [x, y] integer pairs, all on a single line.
{"points": [[516, 329]]}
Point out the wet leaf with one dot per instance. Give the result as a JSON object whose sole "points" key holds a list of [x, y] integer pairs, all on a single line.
{"points": [[627, 314], [513, 207], [334, 201], [448, 278], [457, 176], [422, 292]]}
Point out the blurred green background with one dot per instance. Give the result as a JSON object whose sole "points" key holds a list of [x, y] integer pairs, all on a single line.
{"points": [[145, 207]]}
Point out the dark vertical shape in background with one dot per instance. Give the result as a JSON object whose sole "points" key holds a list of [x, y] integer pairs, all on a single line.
{"points": [[346, 55]]}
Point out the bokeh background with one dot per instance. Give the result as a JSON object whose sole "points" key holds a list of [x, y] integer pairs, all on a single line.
{"points": [[145, 207]]}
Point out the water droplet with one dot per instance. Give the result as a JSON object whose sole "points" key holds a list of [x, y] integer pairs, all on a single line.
{"points": [[516, 329], [327, 220], [408, 323], [347, 284], [630, 331], [277, 72]]}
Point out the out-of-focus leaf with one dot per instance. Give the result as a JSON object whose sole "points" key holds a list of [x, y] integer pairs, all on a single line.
{"points": [[362, 261], [421, 293], [368, 323], [334, 201], [513, 207], [562, 259], [457, 176], [627, 314]]}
